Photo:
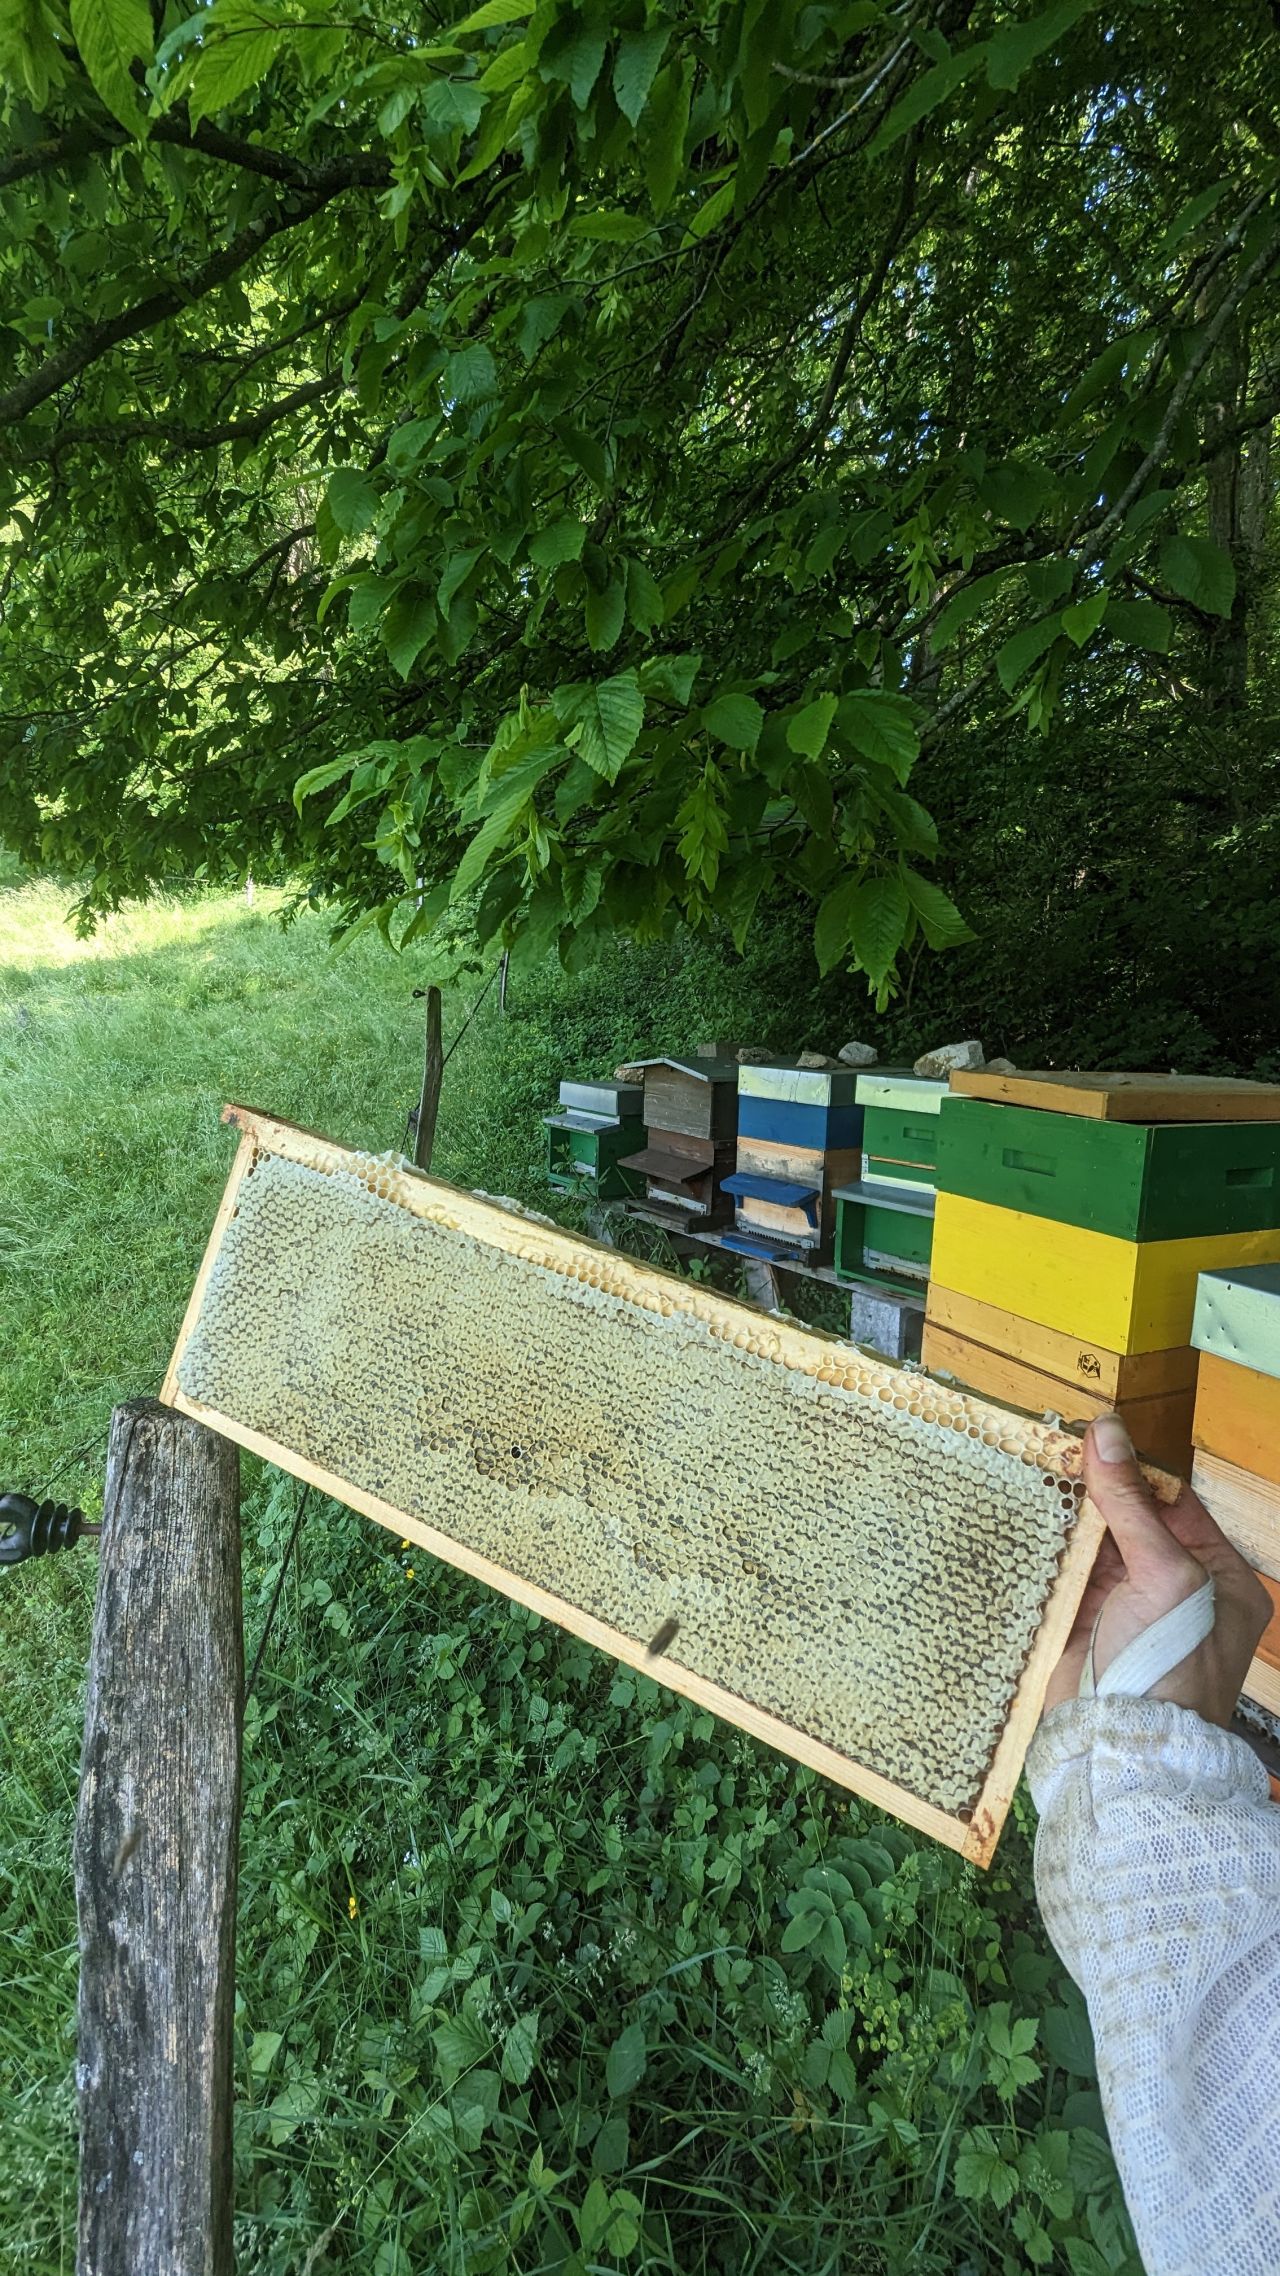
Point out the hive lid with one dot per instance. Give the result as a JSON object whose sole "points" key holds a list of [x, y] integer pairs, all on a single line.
{"points": [[1237, 1316], [701, 1070], [1130, 1098], [897, 1086]]}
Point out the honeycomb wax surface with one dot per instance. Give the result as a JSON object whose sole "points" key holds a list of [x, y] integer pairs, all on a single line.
{"points": [[872, 1577]]}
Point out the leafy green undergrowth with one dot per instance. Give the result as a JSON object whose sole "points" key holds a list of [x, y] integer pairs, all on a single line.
{"points": [[541, 1969]]}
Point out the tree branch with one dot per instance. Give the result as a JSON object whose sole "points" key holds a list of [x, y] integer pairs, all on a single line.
{"points": [[357, 168], [76, 356]]}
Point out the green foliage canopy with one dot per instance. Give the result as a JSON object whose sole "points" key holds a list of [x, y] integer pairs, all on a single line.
{"points": [[553, 466]]}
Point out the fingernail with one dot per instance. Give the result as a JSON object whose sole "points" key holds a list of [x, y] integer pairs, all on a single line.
{"points": [[1111, 1441]]}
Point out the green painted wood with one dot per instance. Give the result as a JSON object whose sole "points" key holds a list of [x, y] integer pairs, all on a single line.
{"points": [[895, 1230], [587, 1161], [898, 1134], [1137, 1180], [1237, 1316], [889, 1172]]}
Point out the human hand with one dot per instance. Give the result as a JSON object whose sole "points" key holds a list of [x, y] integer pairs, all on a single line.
{"points": [[1151, 1558]]}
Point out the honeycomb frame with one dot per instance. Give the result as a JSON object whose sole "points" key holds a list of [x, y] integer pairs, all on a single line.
{"points": [[1010, 1446]]}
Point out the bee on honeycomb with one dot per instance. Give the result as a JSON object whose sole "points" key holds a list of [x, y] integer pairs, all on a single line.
{"points": [[860, 1556]]}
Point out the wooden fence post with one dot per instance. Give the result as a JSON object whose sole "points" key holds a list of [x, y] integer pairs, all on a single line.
{"points": [[432, 1072], [155, 1855]]}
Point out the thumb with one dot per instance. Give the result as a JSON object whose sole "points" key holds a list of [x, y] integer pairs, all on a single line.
{"points": [[1120, 1493]]}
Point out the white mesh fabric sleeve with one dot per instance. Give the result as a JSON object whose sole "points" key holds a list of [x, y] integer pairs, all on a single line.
{"points": [[1158, 1876]]}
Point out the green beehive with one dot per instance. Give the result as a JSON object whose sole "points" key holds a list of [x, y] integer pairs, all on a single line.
{"points": [[595, 1126], [883, 1234], [1141, 1181], [899, 1126]]}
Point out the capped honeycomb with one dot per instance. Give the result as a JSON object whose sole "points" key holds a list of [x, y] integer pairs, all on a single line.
{"points": [[862, 1553]]}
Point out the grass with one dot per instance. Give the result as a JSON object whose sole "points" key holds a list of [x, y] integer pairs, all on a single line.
{"points": [[517, 1989]]}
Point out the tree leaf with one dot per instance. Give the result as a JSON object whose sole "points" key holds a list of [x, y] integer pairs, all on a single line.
{"points": [[1201, 572], [807, 730], [352, 498], [882, 727], [928, 92], [834, 924], [878, 922], [1189, 217], [635, 68], [735, 720], [645, 605], [666, 127], [608, 724], [605, 612], [493, 12], [1015, 46], [1082, 620], [111, 36], [1144, 624], [470, 374], [671, 677], [584, 58], [559, 542], [626, 2061], [940, 920], [407, 627], [453, 106], [322, 778], [1025, 649], [965, 605]]}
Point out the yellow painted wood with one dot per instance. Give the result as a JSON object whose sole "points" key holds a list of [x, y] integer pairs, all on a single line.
{"points": [[1238, 1416], [1128, 1295]]}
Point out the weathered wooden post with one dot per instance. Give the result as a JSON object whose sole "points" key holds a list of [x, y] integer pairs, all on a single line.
{"points": [[155, 1855], [432, 1074]]}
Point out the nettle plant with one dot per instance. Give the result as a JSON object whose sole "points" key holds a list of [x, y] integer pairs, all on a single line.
{"points": [[605, 441]]}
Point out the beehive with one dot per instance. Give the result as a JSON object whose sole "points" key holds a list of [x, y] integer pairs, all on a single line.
{"points": [[872, 1572], [798, 1130]]}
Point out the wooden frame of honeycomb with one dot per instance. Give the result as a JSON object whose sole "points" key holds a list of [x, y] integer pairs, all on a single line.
{"points": [[873, 1572]]}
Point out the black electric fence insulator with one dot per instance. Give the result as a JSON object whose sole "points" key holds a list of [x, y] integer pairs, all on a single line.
{"points": [[36, 1529]]}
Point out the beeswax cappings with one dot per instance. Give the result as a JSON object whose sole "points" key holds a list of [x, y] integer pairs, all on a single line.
{"points": [[870, 1574]]}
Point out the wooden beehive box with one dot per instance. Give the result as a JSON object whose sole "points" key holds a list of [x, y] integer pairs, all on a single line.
{"points": [[871, 1572], [798, 1133]]}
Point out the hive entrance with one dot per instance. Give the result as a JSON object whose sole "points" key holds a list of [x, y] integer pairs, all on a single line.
{"points": [[858, 1562]]}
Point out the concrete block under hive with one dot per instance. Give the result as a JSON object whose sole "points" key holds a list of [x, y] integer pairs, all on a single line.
{"points": [[1128, 1296], [1138, 1181], [869, 1571], [798, 1130]]}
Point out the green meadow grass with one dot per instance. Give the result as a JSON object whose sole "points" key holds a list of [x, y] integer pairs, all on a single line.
{"points": [[540, 1969]]}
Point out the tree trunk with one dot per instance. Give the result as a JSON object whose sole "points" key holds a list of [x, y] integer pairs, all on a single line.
{"points": [[155, 1855]]}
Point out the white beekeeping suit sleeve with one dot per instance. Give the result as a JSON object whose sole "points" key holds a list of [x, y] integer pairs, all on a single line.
{"points": [[1158, 1876]]}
